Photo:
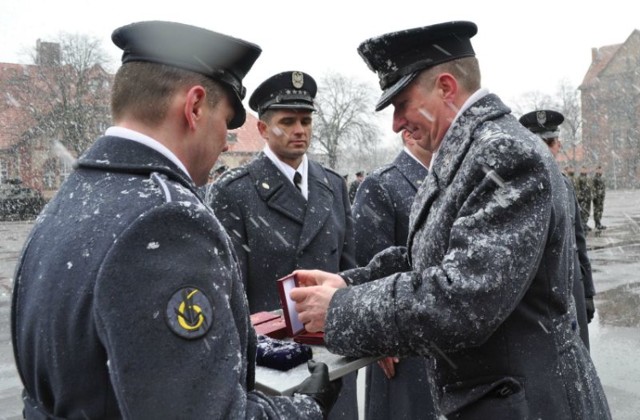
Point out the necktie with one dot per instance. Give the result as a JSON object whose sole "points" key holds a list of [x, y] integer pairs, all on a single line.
{"points": [[297, 180]]}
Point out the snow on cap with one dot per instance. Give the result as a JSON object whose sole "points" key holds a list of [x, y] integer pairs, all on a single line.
{"points": [[217, 56], [398, 57]]}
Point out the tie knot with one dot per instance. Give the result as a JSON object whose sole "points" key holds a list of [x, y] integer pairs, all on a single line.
{"points": [[297, 180]]}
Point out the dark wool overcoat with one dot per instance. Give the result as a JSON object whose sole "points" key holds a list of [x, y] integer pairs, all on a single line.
{"points": [[582, 278], [275, 231], [483, 285], [128, 302], [380, 220]]}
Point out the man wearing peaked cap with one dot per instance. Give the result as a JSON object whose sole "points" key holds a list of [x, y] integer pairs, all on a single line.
{"points": [[283, 210], [287, 90], [397, 58], [122, 318], [546, 124], [219, 57], [481, 287]]}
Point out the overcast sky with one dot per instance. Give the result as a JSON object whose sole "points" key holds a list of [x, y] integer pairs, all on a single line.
{"points": [[522, 46]]}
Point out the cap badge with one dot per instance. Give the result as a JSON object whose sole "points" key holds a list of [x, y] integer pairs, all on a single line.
{"points": [[541, 116], [189, 313], [297, 79]]}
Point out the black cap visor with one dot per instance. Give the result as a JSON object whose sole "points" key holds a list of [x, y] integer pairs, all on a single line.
{"points": [[389, 93]]}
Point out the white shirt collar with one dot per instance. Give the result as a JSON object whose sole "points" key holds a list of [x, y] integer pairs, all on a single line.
{"points": [[288, 171], [414, 157], [476, 96], [138, 137]]}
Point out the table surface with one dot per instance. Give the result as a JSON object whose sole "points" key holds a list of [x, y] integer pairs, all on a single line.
{"points": [[276, 382]]}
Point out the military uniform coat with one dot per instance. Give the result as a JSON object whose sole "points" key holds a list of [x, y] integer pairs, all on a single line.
{"points": [[599, 191], [582, 278], [584, 193], [128, 301], [483, 285], [381, 219], [275, 231]]}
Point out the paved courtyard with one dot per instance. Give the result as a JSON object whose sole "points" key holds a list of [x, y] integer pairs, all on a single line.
{"points": [[615, 332]]}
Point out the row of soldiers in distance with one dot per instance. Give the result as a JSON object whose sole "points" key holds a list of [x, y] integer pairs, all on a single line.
{"points": [[588, 190]]}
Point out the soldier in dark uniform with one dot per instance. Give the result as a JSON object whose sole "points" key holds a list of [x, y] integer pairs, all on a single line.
{"points": [[397, 389], [545, 124], [599, 190], [482, 286], [282, 210], [584, 192], [355, 184], [127, 300]]}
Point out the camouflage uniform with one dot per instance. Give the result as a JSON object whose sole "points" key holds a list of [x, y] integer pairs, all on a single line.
{"points": [[598, 190], [583, 192]]}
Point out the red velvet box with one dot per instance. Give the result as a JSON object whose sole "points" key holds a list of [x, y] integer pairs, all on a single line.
{"points": [[269, 324], [264, 316], [294, 327], [275, 328]]}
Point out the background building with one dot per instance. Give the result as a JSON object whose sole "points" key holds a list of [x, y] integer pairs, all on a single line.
{"points": [[610, 96]]}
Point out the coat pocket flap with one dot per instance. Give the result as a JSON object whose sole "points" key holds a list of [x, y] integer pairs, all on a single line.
{"points": [[462, 394]]}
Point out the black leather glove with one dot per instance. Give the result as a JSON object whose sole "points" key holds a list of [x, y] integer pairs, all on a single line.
{"points": [[319, 387], [591, 308]]}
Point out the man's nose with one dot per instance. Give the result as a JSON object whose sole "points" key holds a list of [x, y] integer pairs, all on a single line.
{"points": [[399, 122]]}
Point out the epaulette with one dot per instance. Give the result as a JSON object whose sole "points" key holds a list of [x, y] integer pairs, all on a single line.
{"points": [[231, 175], [326, 168], [382, 169]]}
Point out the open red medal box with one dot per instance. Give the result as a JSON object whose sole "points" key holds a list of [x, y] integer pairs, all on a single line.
{"points": [[288, 324], [295, 328]]}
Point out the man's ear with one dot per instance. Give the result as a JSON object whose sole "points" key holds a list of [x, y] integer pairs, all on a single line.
{"points": [[195, 102], [262, 128], [447, 86]]}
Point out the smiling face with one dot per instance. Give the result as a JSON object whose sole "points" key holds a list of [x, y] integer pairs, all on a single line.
{"points": [[288, 134], [424, 109]]}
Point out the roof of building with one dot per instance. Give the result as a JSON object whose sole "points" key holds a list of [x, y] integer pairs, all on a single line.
{"points": [[600, 59]]}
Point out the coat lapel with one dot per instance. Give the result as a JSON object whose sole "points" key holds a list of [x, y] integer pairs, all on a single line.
{"points": [[319, 206], [275, 190], [450, 156], [425, 197]]}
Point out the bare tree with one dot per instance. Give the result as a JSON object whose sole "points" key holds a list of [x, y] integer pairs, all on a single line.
{"points": [[345, 117], [568, 103], [531, 101], [66, 92]]}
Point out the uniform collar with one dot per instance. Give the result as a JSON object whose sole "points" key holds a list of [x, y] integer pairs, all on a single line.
{"points": [[127, 133], [288, 171]]}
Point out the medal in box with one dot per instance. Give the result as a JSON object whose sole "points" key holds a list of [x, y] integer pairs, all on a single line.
{"points": [[294, 327]]}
